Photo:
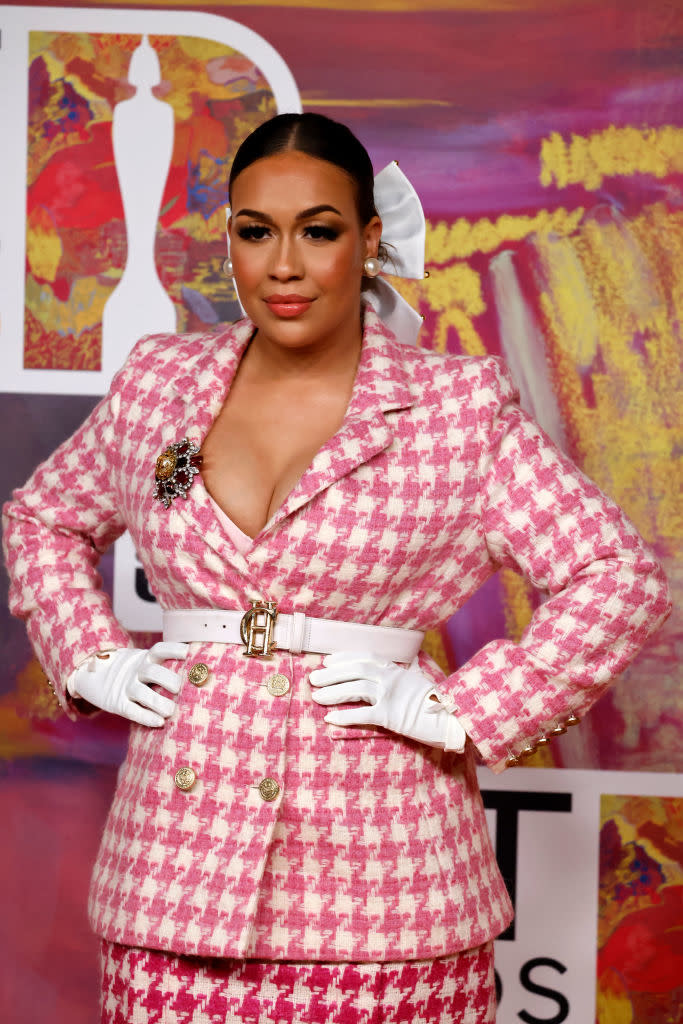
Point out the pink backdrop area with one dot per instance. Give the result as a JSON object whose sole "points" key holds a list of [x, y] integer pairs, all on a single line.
{"points": [[545, 141], [52, 817]]}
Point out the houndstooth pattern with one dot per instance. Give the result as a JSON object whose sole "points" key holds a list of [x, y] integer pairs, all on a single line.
{"points": [[142, 986], [376, 847]]}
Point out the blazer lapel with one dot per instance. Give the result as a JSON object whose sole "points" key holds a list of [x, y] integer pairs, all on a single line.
{"points": [[381, 385], [202, 386], [198, 393]]}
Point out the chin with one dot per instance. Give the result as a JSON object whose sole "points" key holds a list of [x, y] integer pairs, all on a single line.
{"points": [[297, 332], [311, 328]]}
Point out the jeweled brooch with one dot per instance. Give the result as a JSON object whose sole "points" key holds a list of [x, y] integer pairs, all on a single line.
{"points": [[175, 470]]}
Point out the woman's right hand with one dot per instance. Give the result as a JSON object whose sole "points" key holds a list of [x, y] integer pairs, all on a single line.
{"points": [[117, 681]]}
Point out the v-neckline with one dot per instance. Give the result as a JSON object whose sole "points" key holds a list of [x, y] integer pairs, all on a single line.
{"points": [[245, 541], [242, 541], [380, 384]]}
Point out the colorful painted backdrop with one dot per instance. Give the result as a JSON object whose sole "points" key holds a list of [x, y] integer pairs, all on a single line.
{"points": [[546, 141], [640, 958], [76, 237]]}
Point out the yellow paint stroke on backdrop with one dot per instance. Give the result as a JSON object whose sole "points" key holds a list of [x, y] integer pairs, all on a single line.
{"points": [[80, 312], [453, 293], [588, 159], [31, 700], [433, 645], [628, 436], [465, 238], [34, 697], [613, 1005], [43, 244], [18, 737]]}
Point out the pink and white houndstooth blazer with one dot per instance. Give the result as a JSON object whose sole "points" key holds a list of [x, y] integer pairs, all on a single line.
{"points": [[376, 847]]}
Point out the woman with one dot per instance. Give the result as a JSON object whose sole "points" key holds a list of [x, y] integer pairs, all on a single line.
{"points": [[266, 858]]}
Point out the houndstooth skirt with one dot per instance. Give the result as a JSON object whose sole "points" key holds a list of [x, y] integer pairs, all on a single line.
{"points": [[142, 986]]}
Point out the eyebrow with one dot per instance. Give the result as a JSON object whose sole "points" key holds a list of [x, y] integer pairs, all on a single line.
{"points": [[312, 211]]}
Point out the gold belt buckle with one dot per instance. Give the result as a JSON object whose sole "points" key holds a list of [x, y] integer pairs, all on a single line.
{"points": [[257, 629]]}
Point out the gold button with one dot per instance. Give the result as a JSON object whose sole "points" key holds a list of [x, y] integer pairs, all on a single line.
{"points": [[185, 779], [277, 684], [572, 720], [268, 788], [199, 673]]}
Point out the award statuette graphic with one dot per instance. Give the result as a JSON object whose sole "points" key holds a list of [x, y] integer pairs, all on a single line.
{"points": [[66, 236], [142, 133]]}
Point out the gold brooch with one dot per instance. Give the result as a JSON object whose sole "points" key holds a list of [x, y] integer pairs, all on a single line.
{"points": [[175, 470]]}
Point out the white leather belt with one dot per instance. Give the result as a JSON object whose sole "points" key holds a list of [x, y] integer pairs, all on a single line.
{"points": [[263, 630]]}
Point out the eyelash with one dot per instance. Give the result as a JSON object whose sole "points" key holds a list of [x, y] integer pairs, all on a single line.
{"points": [[316, 232], [253, 232], [322, 231]]}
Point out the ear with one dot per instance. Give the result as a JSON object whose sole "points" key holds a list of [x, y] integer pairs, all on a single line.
{"points": [[372, 233]]}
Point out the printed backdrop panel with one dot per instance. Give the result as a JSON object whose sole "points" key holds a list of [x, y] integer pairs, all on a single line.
{"points": [[640, 961], [76, 246], [545, 142], [595, 861]]}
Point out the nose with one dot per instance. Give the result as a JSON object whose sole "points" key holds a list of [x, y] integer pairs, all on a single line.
{"points": [[286, 264]]}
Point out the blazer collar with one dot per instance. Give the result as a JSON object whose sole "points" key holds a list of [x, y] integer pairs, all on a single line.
{"points": [[381, 379], [206, 377], [381, 385]]}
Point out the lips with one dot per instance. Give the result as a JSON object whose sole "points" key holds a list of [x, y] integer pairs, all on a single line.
{"points": [[288, 305]]}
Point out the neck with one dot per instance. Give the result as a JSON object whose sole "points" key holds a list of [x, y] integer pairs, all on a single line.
{"points": [[333, 356]]}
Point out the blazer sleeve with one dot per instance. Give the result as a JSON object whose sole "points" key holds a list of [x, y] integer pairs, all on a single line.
{"points": [[55, 529], [606, 591]]}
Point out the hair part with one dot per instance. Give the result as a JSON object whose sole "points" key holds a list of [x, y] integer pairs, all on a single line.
{"points": [[322, 138]]}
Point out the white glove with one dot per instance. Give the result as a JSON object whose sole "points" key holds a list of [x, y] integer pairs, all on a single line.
{"points": [[398, 698], [117, 680]]}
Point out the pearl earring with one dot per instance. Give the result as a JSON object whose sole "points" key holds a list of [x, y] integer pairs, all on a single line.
{"points": [[227, 267], [371, 266]]}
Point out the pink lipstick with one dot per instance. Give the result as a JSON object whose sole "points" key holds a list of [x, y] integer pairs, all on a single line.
{"points": [[288, 305]]}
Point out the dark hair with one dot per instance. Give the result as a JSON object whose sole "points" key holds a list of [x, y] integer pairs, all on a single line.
{"points": [[317, 136]]}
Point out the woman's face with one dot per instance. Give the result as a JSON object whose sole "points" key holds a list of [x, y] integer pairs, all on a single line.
{"points": [[297, 249]]}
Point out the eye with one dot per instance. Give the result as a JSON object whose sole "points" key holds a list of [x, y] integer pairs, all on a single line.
{"points": [[253, 232], [321, 232]]}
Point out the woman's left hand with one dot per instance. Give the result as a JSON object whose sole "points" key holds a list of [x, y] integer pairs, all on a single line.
{"points": [[403, 700]]}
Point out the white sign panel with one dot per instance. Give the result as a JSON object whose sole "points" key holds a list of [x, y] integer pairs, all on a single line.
{"points": [[546, 826]]}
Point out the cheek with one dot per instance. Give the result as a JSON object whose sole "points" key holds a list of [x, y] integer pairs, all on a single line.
{"points": [[340, 268], [246, 265]]}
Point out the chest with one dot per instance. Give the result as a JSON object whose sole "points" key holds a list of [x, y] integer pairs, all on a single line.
{"points": [[260, 445], [368, 534]]}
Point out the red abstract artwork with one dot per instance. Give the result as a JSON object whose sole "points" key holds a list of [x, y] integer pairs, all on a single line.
{"points": [[640, 933], [76, 247]]}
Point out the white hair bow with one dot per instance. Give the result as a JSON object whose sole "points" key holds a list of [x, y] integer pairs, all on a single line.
{"points": [[403, 229]]}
